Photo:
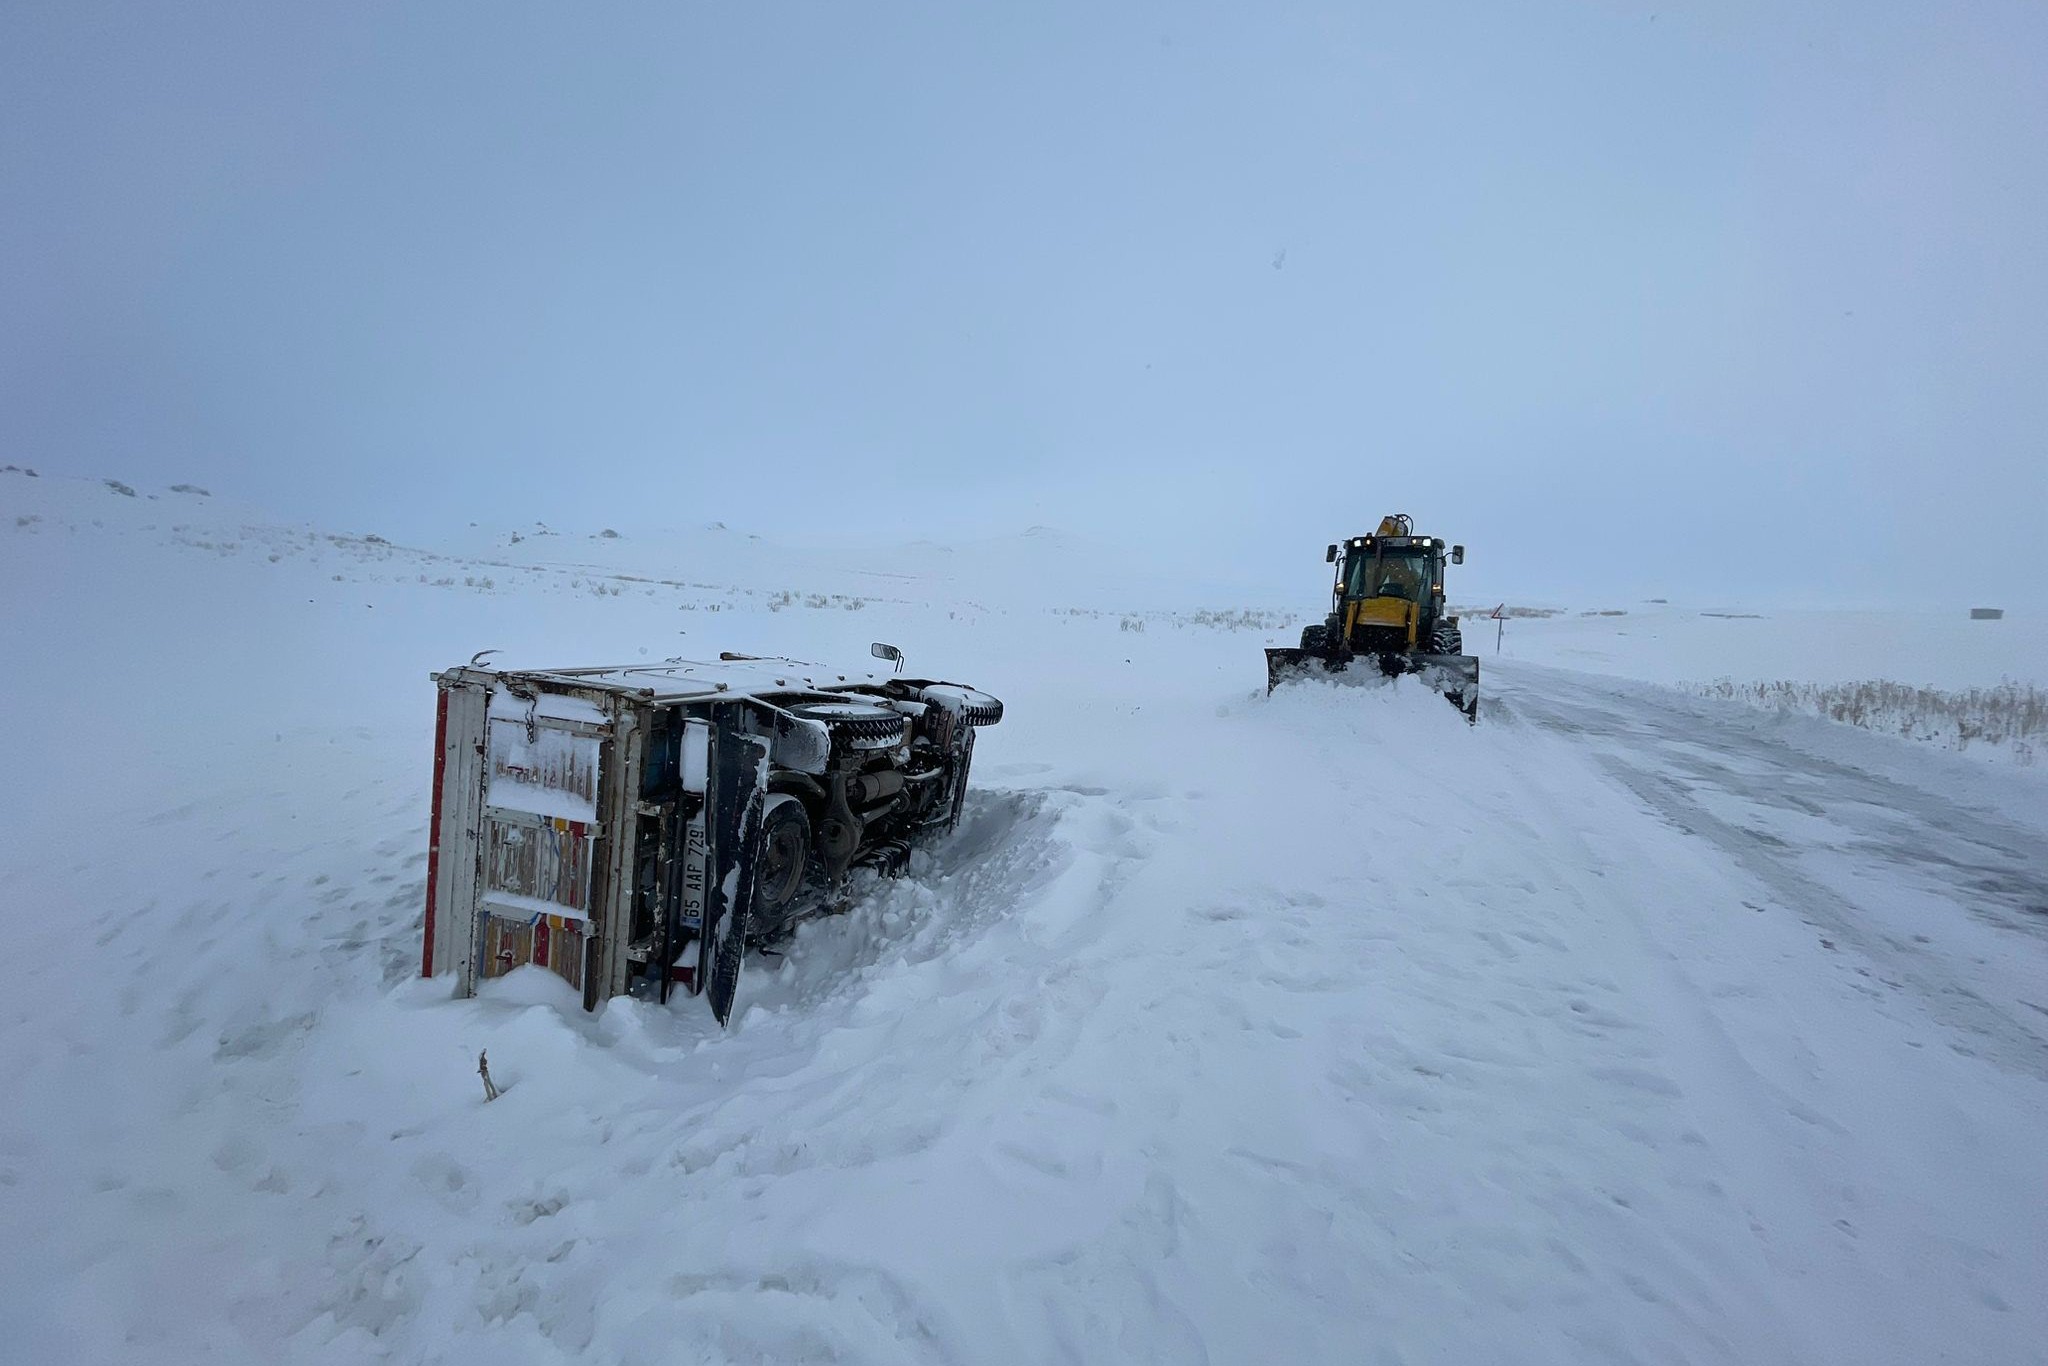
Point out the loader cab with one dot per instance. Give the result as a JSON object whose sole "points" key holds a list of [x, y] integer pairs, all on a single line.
{"points": [[1406, 567], [1389, 591]]}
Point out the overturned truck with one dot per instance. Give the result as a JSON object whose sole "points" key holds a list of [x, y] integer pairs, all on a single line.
{"points": [[638, 828]]}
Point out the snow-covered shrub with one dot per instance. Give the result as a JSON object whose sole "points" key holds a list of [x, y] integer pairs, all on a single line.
{"points": [[2010, 715], [1243, 619]]}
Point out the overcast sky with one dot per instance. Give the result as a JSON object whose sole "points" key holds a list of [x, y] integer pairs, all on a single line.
{"points": [[1718, 300]]}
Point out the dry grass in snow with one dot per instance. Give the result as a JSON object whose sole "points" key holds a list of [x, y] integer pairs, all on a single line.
{"points": [[2012, 716]]}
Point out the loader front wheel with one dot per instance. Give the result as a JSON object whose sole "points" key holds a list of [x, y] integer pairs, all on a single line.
{"points": [[1447, 640], [1316, 640]]}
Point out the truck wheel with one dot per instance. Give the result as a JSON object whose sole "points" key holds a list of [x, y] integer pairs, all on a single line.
{"points": [[856, 725], [1316, 639], [971, 705], [1447, 640], [785, 858]]}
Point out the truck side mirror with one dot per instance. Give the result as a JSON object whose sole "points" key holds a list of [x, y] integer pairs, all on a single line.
{"points": [[1457, 554], [1330, 555], [888, 652]]}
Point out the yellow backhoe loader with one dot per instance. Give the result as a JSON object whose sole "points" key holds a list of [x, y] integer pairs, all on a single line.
{"points": [[1388, 615]]}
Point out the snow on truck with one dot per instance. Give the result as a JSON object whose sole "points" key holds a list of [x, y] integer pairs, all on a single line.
{"points": [[636, 828]]}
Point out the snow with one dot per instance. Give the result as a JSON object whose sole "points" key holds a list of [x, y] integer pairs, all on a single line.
{"points": [[1623, 1026], [684, 678], [553, 774], [519, 905], [1671, 644], [545, 706]]}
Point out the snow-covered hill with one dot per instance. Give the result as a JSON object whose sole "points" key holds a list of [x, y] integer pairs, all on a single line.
{"points": [[1624, 1026]]}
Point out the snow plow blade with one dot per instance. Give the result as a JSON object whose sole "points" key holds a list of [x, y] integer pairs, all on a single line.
{"points": [[1290, 665], [1455, 676]]}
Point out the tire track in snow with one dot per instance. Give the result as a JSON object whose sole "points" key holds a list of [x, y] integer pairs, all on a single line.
{"points": [[1838, 1141], [1890, 824]]}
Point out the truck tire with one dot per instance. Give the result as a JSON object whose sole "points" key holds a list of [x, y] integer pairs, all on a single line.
{"points": [[1316, 639], [1447, 640], [856, 725], [785, 860], [971, 705]]}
